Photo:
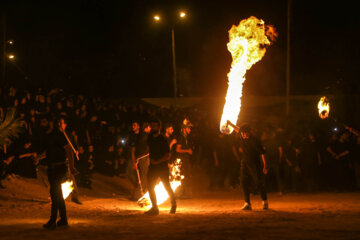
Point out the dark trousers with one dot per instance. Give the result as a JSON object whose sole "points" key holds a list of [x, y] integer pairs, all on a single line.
{"points": [[57, 176], [252, 176], [154, 174]]}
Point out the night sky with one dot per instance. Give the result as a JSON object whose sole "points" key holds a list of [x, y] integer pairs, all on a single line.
{"points": [[114, 48]]}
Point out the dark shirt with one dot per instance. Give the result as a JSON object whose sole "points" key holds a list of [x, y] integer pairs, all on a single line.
{"points": [[185, 144], [139, 141], [252, 149], [55, 149], [223, 148], [158, 147]]}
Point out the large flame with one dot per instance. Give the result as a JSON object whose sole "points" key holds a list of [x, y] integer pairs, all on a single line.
{"points": [[161, 194], [247, 45], [324, 108], [67, 188]]}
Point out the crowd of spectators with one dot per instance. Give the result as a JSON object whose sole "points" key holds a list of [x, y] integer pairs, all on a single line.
{"points": [[301, 157]]}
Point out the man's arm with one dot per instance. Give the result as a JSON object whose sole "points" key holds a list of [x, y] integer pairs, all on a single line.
{"points": [[172, 143], [164, 158], [133, 157], [216, 159], [236, 128], [70, 156], [179, 149], [343, 154], [263, 158], [280, 153]]}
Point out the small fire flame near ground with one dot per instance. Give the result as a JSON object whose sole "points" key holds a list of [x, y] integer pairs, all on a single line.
{"points": [[324, 108], [161, 194], [67, 188], [247, 45]]}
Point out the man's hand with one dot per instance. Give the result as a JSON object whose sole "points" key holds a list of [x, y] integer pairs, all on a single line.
{"points": [[135, 165], [265, 171], [190, 151]]}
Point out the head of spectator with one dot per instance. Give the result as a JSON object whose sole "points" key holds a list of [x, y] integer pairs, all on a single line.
{"points": [[62, 124], [169, 129], [186, 127], [81, 150], [136, 127], [111, 148], [91, 148], [155, 126]]}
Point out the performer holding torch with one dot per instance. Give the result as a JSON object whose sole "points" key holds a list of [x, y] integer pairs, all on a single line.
{"points": [[251, 170], [57, 146]]}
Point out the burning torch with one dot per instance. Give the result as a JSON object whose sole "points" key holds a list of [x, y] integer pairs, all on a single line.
{"points": [[324, 112]]}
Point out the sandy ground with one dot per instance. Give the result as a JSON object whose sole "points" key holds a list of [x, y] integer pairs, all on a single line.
{"points": [[106, 213]]}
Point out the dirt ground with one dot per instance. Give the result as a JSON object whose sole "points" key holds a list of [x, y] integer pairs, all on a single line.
{"points": [[106, 213]]}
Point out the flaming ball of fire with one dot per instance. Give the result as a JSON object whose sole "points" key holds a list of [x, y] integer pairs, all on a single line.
{"points": [[324, 108], [67, 188], [161, 194], [247, 45]]}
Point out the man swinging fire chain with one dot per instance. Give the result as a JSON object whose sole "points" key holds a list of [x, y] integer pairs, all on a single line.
{"points": [[251, 171], [159, 153]]}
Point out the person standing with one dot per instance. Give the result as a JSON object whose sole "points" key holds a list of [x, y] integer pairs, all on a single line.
{"points": [[253, 165], [184, 150], [159, 153], [140, 156], [57, 171]]}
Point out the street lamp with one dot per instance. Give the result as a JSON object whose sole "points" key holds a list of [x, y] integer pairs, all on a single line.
{"points": [[182, 15], [157, 18]]}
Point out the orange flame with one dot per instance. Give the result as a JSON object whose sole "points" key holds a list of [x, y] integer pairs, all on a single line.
{"points": [[324, 107], [160, 191], [67, 188], [247, 45]]}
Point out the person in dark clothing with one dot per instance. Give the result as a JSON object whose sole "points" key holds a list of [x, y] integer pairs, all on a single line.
{"points": [[159, 154], [26, 161], [224, 165], [57, 171], [184, 150], [340, 153], [273, 156], [253, 165], [309, 163], [291, 166], [139, 156], [120, 162]]}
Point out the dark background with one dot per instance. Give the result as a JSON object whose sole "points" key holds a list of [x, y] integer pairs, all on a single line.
{"points": [[113, 48]]}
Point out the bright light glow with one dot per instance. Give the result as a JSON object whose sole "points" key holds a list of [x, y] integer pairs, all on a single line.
{"points": [[324, 107], [160, 191], [157, 18], [11, 56], [247, 45], [67, 188], [11, 42], [182, 14]]}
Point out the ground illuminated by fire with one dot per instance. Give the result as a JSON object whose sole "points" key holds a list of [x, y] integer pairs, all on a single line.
{"points": [[211, 216]]}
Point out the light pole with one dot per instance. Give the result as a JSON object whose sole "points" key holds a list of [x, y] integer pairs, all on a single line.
{"points": [[157, 18]]}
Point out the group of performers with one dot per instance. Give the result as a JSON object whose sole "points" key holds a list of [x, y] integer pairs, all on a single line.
{"points": [[158, 147]]}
